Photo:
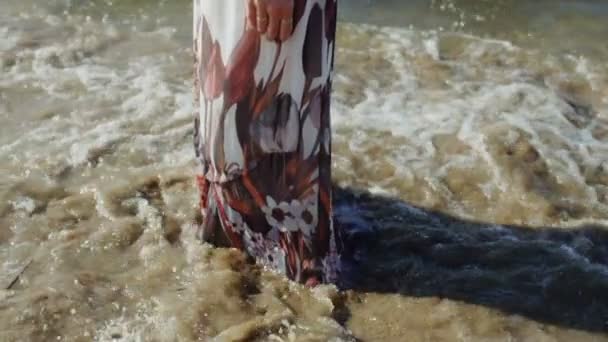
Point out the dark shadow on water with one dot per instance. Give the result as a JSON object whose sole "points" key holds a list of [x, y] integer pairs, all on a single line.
{"points": [[552, 275]]}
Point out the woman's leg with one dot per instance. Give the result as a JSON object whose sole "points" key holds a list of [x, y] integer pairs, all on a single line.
{"points": [[280, 214], [263, 136]]}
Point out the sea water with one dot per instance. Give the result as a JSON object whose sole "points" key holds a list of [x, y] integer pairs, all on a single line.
{"points": [[471, 138]]}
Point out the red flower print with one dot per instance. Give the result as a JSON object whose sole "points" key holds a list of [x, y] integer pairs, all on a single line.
{"points": [[241, 66], [216, 74]]}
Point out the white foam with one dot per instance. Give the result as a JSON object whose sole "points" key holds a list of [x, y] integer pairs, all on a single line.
{"points": [[465, 107], [148, 322], [25, 204], [141, 112], [8, 38]]}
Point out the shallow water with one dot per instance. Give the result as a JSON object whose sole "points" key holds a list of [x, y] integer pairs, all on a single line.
{"points": [[494, 113]]}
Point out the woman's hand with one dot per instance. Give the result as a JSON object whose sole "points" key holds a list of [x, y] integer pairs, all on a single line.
{"points": [[271, 17]]}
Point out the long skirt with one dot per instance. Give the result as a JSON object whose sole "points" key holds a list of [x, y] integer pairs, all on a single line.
{"points": [[263, 140]]}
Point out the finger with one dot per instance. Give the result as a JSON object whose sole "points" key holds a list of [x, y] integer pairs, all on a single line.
{"points": [[262, 19], [274, 25], [262, 16], [285, 29], [252, 13]]}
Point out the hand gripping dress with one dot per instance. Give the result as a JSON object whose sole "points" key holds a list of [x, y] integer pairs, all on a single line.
{"points": [[262, 137]]}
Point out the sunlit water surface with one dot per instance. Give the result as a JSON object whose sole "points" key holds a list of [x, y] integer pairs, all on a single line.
{"points": [[489, 111]]}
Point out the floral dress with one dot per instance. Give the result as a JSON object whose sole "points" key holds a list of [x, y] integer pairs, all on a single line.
{"points": [[262, 137]]}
